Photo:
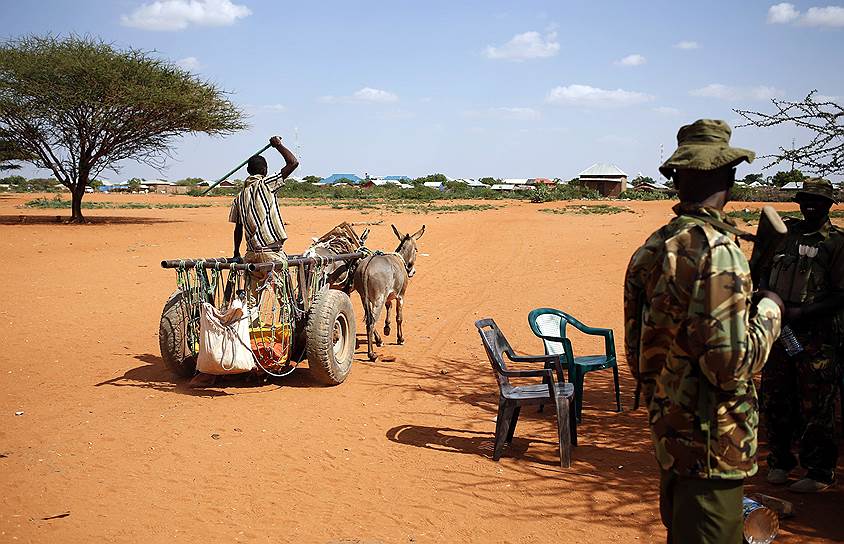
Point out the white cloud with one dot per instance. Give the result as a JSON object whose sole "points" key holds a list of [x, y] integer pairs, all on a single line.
{"points": [[687, 45], [179, 14], [726, 92], [504, 113], [632, 60], [832, 16], [191, 64], [366, 94], [784, 13], [667, 110], [265, 108], [584, 95], [528, 45]]}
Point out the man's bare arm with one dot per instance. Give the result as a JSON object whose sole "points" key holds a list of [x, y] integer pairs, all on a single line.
{"points": [[290, 161], [238, 237]]}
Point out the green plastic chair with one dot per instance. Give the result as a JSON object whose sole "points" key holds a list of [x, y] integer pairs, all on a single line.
{"points": [[550, 325]]}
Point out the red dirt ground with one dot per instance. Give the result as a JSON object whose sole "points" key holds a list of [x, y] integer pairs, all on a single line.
{"points": [[110, 447]]}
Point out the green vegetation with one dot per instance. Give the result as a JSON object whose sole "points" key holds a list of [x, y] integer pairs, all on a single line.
{"points": [[633, 194], [752, 215], [77, 106], [590, 209], [58, 202]]}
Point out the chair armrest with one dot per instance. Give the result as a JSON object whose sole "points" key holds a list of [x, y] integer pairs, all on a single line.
{"points": [[530, 358], [543, 373], [557, 361]]}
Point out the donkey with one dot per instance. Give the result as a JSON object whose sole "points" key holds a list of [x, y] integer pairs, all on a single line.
{"points": [[382, 278]]}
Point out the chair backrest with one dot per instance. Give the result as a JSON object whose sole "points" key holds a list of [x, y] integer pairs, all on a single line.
{"points": [[549, 322], [495, 345]]}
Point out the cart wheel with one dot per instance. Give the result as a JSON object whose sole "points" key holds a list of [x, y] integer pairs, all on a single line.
{"points": [[330, 337], [171, 337]]}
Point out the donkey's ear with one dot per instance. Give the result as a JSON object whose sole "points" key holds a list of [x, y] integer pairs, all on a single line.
{"points": [[418, 234], [398, 234]]}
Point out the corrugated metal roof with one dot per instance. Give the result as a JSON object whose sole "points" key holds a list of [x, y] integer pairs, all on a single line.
{"points": [[333, 178], [603, 169]]}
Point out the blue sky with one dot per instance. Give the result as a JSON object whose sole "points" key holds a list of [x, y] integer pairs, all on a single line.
{"points": [[469, 88]]}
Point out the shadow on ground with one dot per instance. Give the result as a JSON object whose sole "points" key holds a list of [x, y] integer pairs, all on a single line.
{"points": [[154, 375], [22, 219]]}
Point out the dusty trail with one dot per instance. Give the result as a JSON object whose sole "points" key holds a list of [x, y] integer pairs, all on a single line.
{"points": [[398, 453]]}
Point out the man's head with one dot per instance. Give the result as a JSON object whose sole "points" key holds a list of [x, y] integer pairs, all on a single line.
{"points": [[816, 197], [704, 163], [257, 166], [700, 185]]}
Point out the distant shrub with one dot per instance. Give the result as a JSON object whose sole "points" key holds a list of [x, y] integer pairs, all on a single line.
{"points": [[634, 194]]}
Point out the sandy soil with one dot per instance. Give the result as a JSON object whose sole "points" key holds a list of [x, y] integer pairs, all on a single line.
{"points": [[110, 447]]}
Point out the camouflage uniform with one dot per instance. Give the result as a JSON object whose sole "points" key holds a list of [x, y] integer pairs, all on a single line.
{"points": [[691, 342], [798, 393]]}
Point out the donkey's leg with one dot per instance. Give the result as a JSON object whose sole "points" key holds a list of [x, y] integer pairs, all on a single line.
{"points": [[388, 305], [399, 319], [375, 314]]}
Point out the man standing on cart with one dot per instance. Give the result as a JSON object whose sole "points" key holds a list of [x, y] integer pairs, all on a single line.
{"points": [[255, 213], [255, 210]]}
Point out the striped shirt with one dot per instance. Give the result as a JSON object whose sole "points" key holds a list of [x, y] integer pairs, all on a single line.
{"points": [[256, 208]]}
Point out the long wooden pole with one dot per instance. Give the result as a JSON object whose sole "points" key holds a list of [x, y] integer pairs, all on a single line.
{"points": [[235, 169]]}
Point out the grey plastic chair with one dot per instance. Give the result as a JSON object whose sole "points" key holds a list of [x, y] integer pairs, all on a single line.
{"points": [[512, 397]]}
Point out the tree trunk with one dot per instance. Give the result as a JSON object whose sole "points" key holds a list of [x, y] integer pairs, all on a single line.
{"points": [[76, 204]]}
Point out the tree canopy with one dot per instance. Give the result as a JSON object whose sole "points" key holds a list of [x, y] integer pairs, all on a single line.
{"points": [[77, 106], [781, 178], [822, 117]]}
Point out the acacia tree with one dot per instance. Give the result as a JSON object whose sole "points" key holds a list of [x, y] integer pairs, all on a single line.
{"points": [[10, 154], [824, 153], [78, 106]]}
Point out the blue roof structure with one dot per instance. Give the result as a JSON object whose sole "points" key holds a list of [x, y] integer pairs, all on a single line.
{"points": [[334, 178]]}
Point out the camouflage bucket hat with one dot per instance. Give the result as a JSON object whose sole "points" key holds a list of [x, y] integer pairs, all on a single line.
{"points": [[818, 187], [704, 145]]}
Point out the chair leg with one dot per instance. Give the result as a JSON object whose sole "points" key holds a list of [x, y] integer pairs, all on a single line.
{"points": [[505, 415], [617, 388], [578, 393], [573, 427], [513, 424], [564, 408]]}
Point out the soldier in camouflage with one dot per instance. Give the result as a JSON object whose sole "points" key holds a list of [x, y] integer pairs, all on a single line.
{"points": [[799, 388], [694, 340]]}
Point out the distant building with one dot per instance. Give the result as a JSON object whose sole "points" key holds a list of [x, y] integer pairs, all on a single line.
{"points": [[541, 181], [515, 181], [792, 186], [166, 187], [438, 185], [503, 187], [607, 179], [397, 178], [379, 182], [334, 178], [475, 184]]}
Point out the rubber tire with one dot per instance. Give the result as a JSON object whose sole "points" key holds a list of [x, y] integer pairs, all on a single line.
{"points": [[331, 307], [170, 340]]}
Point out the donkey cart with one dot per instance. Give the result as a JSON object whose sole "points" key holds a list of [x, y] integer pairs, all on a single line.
{"points": [[292, 311]]}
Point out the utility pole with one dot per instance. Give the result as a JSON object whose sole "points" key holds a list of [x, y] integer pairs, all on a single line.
{"points": [[792, 154]]}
